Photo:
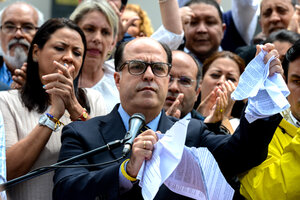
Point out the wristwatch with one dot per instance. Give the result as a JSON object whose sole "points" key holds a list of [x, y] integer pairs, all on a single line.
{"points": [[46, 121], [83, 116]]}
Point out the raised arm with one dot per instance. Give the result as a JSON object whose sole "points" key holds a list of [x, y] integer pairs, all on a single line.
{"points": [[171, 33], [170, 16], [21, 154]]}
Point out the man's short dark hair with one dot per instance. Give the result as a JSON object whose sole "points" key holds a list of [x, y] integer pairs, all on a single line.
{"points": [[210, 2], [120, 50], [291, 55], [199, 70], [283, 36]]}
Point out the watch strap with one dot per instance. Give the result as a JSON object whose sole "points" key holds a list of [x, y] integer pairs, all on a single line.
{"points": [[46, 121]]}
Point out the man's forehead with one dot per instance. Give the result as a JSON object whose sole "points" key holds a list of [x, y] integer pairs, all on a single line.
{"points": [[143, 46], [142, 41], [267, 3], [181, 55], [206, 10], [183, 60], [27, 11]]}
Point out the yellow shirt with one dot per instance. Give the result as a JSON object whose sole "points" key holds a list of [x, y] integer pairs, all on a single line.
{"points": [[278, 177]]}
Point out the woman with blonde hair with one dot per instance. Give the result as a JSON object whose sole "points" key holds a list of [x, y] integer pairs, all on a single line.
{"points": [[99, 23], [142, 26]]}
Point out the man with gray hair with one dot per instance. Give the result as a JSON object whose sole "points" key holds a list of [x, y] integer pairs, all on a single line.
{"points": [[18, 24]]}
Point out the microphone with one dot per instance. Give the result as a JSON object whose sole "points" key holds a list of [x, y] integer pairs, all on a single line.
{"points": [[136, 122]]}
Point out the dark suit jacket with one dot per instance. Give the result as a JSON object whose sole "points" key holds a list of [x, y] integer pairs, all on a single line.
{"points": [[234, 154], [232, 38], [197, 115]]}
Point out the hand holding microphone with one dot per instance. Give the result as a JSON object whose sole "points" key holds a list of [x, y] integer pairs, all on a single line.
{"points": [[142, 146], [136, 122]]}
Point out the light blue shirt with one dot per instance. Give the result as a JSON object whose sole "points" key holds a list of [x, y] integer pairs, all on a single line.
{"points": [[125, 184], [125, 118], [2, 156], [5, 75]]}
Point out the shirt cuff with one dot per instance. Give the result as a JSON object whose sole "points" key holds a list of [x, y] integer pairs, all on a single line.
{"points": [[171, 39]]}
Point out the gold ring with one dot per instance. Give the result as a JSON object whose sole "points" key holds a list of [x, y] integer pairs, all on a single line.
{"points": [[221, 110], [144, 144]]}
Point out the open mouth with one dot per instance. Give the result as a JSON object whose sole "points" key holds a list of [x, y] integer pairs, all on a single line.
{"points": [[18, 45], [170, 100]]}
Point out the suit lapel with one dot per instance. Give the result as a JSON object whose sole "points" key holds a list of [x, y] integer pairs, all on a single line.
{"points": [[112, 128], [164, 123]]}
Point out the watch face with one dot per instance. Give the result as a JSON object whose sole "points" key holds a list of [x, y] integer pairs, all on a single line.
{"points": [[85, 115], [43, 119]]}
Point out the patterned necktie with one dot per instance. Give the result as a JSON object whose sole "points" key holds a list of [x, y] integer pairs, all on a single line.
{"points": [[144, 128]]}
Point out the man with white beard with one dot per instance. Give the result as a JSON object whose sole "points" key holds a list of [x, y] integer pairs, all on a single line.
{"points": [[18, 24]]}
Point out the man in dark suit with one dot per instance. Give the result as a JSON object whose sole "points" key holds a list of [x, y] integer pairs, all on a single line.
{"points": [[142, 67], [184, 86]]}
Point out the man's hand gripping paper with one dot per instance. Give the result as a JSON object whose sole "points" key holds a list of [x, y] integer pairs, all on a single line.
{"points": [[263, 85], [165, 158], [191, 172]]}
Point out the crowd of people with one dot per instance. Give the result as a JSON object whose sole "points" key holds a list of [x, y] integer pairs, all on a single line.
{"points": [[71, 85]]}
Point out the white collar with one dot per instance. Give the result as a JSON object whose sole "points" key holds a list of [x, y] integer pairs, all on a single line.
{"points": [[294, 120]]}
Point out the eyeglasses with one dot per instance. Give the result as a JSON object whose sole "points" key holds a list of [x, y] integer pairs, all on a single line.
{"points": [[138, 67], [182, 80], [26, 29]]}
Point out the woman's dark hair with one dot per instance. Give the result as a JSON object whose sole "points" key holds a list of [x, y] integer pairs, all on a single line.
{"points": [[33, 95], [238, 105]]}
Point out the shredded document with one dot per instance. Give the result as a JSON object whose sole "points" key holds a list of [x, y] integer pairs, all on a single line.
{"points": [[165, 158], [266, 95], [191, 172]]}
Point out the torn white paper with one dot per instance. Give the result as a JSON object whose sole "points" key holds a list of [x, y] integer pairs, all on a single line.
{"points": [[165, 158], [198, 176], [216, 184], [266, 95], [187, 171], [188, 179]]}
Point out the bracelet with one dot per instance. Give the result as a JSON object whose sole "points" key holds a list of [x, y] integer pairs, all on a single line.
{"points": [[83, 116], [57, 122], [123, 170], [162, 1]]}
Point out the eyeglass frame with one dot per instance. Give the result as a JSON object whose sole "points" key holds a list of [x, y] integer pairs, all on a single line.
{"points": [[18, 28], [147, 65], [178, 78]]}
